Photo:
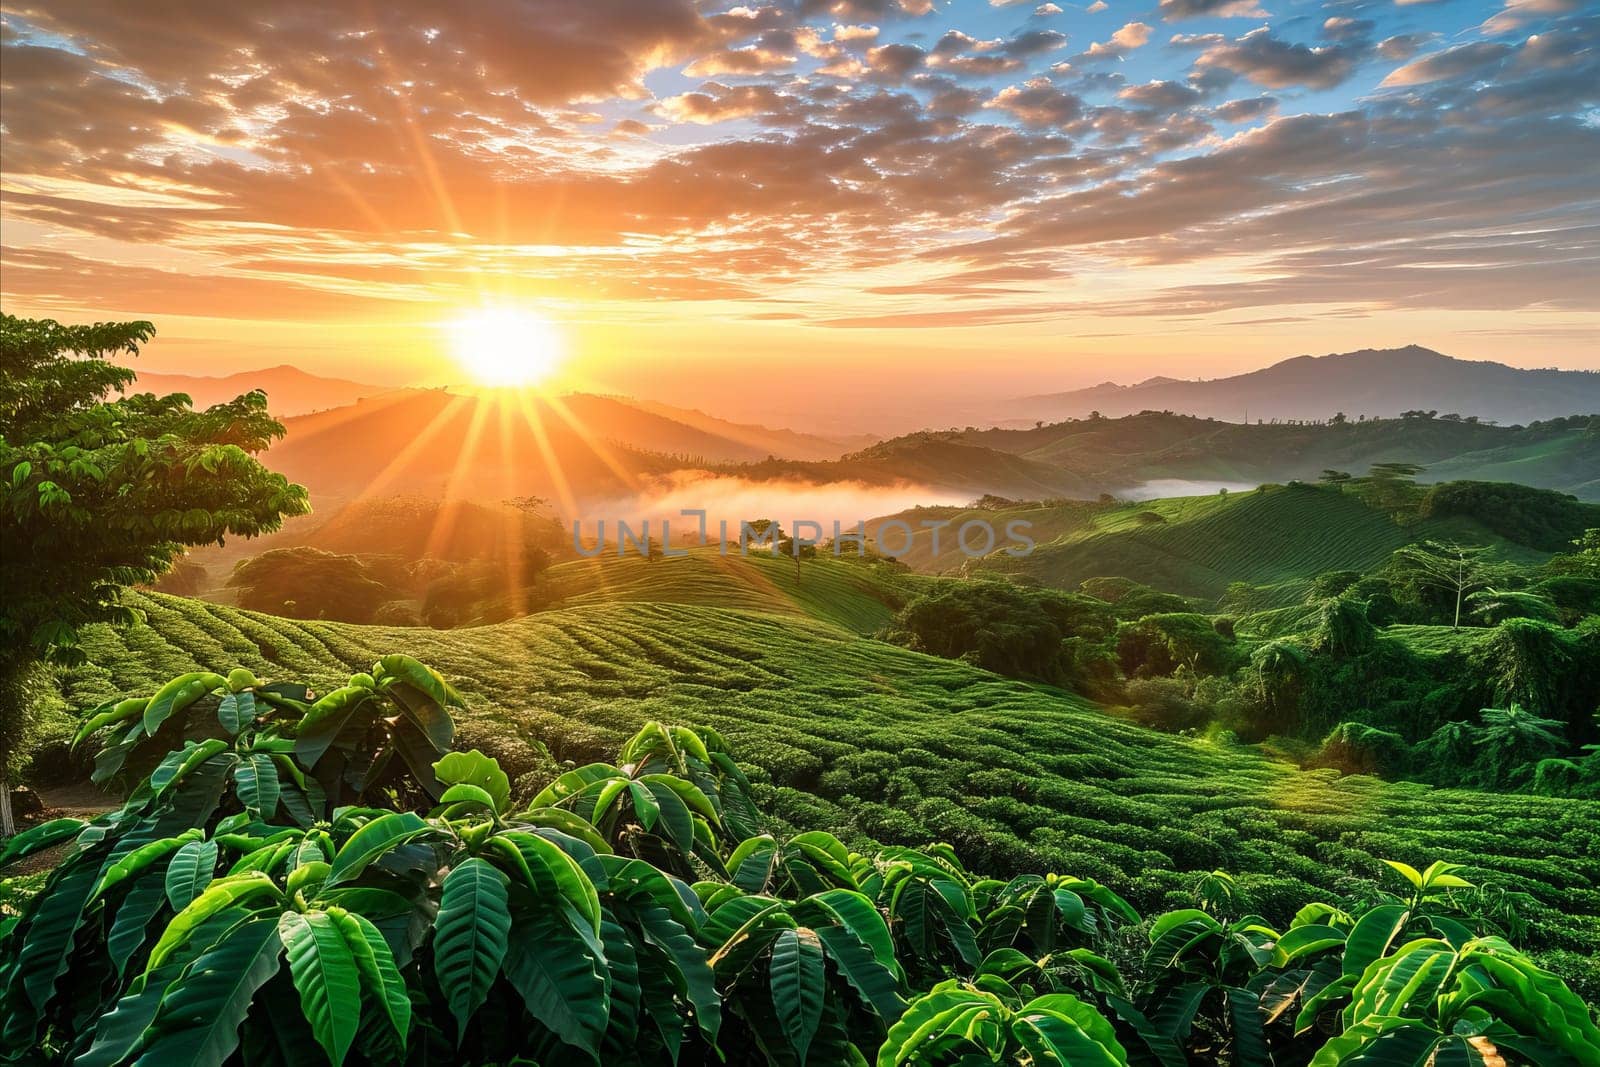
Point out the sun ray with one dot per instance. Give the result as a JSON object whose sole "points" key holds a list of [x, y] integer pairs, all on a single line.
{"points": [[466, 457]]}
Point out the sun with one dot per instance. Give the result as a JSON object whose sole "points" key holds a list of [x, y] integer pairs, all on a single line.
{"points": [[506, 346]]}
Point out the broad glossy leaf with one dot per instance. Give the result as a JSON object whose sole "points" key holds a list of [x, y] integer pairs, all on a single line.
{"points": [[189, 872], [372, 841], [563, 985], [256, 780], [471, 933], [380, 978], [326, 975], [476, 769], [1372, 935], [224, 893], [236, 711], [550, 872], [799, 982], [37, 838], [198, 1021]]}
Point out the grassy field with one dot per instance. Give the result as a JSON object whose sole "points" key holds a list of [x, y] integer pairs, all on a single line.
{"points": [[1277, 537], [851, 593], [876, 741]]}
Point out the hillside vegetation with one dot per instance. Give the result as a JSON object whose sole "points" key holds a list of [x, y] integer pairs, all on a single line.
{"points": [[1197, 546], [875, 741]]}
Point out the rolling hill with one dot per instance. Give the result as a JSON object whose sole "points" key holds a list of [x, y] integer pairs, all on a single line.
{"points": [[1371, 382], [1277, 537], [290, 390], [1124, 454], [878, 742], [493, 447]]}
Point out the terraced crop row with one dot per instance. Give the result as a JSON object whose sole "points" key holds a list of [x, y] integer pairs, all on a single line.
{"points": [[868, 739]]}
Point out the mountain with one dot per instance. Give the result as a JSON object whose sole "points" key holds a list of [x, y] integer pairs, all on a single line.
{"points": [[290, 390], [491, 447], [1372, 382], [789, 444]]}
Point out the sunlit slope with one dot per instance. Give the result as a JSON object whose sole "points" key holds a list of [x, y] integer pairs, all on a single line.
{"points": [[1569, 461], [1197, 546], [856, 595], [864, 737]]}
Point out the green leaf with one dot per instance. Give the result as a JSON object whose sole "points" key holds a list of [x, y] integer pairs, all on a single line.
{"points": [[324, 720], [38, 838], [224, 893], [1372, 935], [465, 793], [1062, 1031], [694, 979], [550, 872], [471, 933], [474, 768], [142, 857], [798, 983], [177, 695], [119, 1033], [179, 765], [325, 973], [372, 841], [380, 978], [256, 781], [564, 986], [1408, 872], [198, 1021], [236, 711], [191, 869]]}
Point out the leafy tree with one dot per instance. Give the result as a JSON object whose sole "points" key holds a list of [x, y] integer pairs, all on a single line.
{"points": [[1162, 644], [1024, 633], [308, 583], [1513, 736], [1453, 568], [102, 494]]}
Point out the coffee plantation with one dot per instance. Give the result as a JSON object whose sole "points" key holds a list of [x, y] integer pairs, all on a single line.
{"points": [[302, 878]]}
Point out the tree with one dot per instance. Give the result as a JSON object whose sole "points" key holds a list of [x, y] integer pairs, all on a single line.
{"points": [[307, 583], [102, 494], [1455, 568]]}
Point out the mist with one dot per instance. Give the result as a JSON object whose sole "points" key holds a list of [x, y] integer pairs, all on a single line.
{"points": [[1160, 487], [733, 499]]}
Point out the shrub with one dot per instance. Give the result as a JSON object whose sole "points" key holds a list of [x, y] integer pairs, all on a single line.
{"points": [[308, 583], [1164, 704], [1160, 644], [1024, 633]]}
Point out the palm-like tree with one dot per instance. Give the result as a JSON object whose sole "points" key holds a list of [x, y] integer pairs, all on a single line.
{"points": [[1516, 736]]}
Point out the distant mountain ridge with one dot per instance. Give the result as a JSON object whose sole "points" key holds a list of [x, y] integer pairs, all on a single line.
{"points": [[1376, 382], [290, 390]]}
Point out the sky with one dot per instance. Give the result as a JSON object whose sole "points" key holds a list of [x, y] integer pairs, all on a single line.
{"points": [[770, 210]]}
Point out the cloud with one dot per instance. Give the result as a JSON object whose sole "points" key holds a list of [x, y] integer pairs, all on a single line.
{"points": [[1097, 7], [1518, 13], [1037, 102], [330, 163], [1165, 95], [1278, 64], [1174, 10], [751, 59], [1451, 63], [1131, 36]]}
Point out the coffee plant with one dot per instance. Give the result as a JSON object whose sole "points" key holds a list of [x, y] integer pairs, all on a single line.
{"points": [[301, 879]]}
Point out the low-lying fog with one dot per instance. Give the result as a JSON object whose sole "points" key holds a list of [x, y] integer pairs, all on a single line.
{"points": [[1161, 487], [736, 499]]}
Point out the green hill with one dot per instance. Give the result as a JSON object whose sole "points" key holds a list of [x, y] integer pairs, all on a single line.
{"points": [[857, 595], [1275, 536], [877, 741]]}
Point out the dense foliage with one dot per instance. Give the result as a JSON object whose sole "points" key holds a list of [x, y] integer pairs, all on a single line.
{"points": [[878, 743], [1024, 633], [97, 494], [267, 894]]}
